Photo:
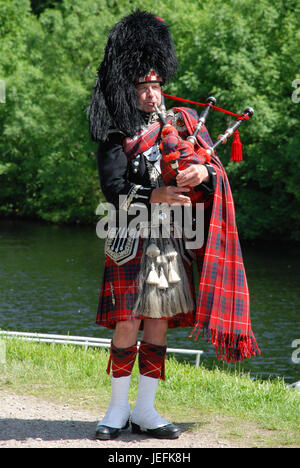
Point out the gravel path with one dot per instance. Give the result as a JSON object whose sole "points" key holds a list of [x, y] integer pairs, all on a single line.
{"points": [[27, 421]]}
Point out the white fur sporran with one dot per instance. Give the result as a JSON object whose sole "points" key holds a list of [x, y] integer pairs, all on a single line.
{"points": [[164, 289]]}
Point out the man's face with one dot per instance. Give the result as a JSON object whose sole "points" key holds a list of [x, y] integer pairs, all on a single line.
{"points": [[149, 96]]}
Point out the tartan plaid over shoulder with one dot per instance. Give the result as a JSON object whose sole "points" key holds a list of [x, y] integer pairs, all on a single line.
{"points": [[223, 305]]}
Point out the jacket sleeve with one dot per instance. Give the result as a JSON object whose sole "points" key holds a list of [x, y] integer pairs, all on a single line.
{"points": [[209, 187], [114, 175]]}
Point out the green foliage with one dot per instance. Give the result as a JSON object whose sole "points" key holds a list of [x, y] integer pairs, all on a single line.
{"points": [[243, 52]]}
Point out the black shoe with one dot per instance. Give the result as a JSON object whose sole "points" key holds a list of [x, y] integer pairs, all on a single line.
{"points": [[108, 433], [169, 431]]}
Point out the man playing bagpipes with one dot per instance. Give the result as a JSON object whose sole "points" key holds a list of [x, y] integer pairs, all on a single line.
{"points": [[148, 281]]}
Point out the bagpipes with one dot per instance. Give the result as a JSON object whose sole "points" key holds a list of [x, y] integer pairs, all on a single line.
{"points": [[179, 150], [164, 284]]}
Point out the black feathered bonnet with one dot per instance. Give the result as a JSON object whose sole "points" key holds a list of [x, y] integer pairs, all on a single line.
{"points": [[139, 43]]}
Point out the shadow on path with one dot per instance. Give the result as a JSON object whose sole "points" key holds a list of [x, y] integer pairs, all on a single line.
{"points": [[51, 430]]}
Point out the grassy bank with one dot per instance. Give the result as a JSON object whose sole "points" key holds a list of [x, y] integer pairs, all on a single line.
{"points": [[262, 413]]}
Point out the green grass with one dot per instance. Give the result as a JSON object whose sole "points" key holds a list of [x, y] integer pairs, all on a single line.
{"points": [[256, 413]]}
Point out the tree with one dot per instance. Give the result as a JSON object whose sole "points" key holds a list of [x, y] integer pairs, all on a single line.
{"points": [[247, 53], [242, 52]]}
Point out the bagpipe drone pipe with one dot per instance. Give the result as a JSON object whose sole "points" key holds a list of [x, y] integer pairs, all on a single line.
{"points": [[189, 143]]}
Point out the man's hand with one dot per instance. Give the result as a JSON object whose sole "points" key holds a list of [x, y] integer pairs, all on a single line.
{"points": [[171, 195], [193, 176]]}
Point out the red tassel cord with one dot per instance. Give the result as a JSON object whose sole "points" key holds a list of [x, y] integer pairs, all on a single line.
{"points": [[236, 148]]}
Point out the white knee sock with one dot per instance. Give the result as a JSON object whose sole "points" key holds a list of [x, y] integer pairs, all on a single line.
{"points": [[144, 413], [118, 411]]}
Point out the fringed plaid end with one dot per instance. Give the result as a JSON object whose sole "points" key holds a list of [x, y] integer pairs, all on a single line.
{"points": [[152, 360], [229, 346], [121, 360]]}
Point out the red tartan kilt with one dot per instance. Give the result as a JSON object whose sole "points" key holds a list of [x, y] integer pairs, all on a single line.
{"points": [[119, 292]]}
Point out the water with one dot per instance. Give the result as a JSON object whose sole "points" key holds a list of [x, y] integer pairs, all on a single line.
{"points": [[51, 275]]}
